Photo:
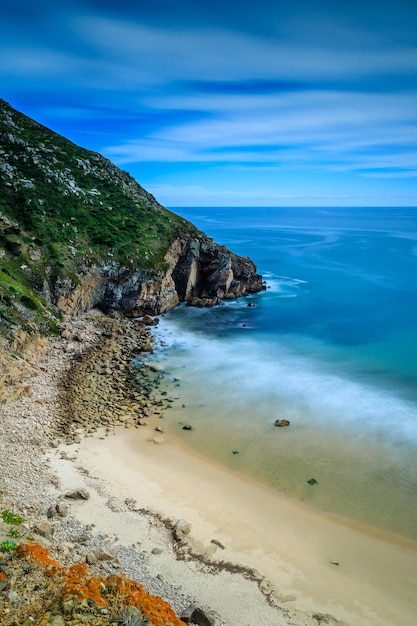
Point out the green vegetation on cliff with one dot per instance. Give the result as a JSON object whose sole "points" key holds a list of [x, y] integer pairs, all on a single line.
{"points": [[64, 209]]}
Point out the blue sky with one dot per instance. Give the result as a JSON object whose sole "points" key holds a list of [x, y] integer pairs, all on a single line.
{"points": [[227, 103]]}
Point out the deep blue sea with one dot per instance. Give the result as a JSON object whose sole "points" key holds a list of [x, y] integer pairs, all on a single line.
{"points": [[331, 345]]}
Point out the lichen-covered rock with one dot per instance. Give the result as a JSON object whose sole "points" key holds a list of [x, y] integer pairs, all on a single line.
{"points": [[39, 590]]}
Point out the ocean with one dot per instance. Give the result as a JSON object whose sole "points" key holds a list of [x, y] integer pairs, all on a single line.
{"points": [[330, 345]]}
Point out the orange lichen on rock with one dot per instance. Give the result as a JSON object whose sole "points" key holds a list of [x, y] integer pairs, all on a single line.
{"points": [[77, 581], [36, 553], [2, 576], [156, 610]]}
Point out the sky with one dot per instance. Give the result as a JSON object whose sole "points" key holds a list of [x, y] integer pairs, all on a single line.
{"points": [[225, 103]]}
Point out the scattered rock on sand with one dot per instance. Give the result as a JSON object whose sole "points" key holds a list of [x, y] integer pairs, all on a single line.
{"points": [[91, 558], [187, 427], [45, 530], [78, 494], [103, 554], [198, 616], [59, 508], [181, 530]]}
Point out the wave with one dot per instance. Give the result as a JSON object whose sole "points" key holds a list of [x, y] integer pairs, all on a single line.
{"points": [[243, 372]]}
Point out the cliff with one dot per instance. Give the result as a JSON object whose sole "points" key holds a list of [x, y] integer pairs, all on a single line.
{"points": [[198, 272], [77, 232]]}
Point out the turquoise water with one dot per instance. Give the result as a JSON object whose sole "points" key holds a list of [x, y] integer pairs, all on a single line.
{"points": [[330, 345]]}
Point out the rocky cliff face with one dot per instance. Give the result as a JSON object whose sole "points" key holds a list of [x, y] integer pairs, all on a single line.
{"points": [[199, 272]]}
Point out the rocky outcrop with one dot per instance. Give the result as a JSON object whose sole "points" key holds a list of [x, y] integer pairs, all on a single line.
{"points": [[206, 270], [199, 272]]}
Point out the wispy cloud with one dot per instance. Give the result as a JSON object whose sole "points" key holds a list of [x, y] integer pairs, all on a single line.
{"points": [[220, 89], [206, 54], [347, 130]]}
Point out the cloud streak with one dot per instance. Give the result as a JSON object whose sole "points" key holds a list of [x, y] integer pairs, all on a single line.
{"points": [[216, 93]]}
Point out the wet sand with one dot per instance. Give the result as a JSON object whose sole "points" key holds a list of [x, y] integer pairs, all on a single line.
{"points": [[314, 564]]}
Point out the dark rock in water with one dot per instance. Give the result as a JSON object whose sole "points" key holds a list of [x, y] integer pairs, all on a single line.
{"points": [[312, 481], [203, 302], [250, 304], [281, 423], [148, 320], [187, 427]]}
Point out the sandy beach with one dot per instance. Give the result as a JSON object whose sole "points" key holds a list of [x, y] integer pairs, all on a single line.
{"points": [[309, 567], [252, 555]]}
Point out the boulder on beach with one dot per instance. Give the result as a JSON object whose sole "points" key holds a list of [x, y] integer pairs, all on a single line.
{"points": [[78, 494], [181, 530], [198, 616]]}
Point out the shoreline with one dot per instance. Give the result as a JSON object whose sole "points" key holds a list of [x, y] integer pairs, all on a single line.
{"points": [[277, 562], [304, 561]]}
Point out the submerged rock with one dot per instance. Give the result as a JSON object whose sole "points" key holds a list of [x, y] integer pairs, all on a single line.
{"points": [[281, 423]]}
